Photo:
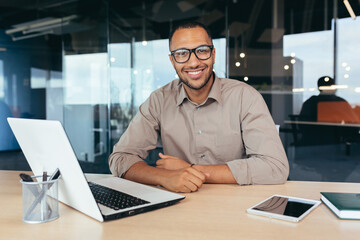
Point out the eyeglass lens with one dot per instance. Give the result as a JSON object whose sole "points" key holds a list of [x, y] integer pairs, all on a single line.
{"points": [[183, 55]]}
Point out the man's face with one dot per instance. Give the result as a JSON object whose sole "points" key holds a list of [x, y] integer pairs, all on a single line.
{"points": [[194, 73]]}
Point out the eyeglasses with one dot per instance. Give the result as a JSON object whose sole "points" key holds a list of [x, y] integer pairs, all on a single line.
{"points": [[202, 52]]}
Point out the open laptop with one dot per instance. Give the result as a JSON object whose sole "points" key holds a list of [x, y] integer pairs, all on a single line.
{"points": [[46, 147]]}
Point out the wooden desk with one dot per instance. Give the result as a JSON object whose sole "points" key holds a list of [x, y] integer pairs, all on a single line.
{"points": [[214, 212]]}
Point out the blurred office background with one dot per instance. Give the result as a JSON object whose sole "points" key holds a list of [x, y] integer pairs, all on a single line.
{"points": [[91, 63]]}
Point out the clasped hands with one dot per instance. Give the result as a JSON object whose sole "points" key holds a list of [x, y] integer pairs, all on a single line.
{"points": [[182, 177]]}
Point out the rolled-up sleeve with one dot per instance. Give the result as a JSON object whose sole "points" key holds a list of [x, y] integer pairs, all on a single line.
{"points": [[265, 161], [140, 137]]}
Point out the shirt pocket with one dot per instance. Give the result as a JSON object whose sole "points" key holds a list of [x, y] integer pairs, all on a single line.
{"points": [[228, 147]]}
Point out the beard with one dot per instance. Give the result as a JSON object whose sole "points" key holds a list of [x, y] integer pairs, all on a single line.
{"points": [[187, 83]]}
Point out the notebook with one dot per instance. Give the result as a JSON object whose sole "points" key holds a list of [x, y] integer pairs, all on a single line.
{"points": [[47, 147], [343, 205]]}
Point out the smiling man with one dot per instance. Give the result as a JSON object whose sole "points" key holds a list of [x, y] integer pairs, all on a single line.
{"points": [[213, 130]]}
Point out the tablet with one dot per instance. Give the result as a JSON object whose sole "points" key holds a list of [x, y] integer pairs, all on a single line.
{"points": [[284, 207]]}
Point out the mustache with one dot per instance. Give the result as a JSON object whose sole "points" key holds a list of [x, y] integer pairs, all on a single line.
{"points": [[194, 68]]}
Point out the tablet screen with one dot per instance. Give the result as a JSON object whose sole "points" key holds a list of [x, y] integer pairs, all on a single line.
{"points": [[284, 206]]}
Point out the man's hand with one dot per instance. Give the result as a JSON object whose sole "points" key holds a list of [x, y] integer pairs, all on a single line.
{"points": [[184, 180], [182, 177], [171, 163]]}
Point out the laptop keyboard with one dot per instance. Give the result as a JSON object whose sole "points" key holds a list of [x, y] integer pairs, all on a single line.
{"points": [[112, 198]]}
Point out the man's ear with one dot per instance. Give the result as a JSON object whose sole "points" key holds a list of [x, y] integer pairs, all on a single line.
{"points": [[214, 55], [172, 60]]}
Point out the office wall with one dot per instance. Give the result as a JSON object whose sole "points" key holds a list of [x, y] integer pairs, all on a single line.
{"points": [[90, 64]]}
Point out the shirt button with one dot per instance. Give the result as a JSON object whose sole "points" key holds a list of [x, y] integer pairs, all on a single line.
{"points": [[199, 131], [198, 108], [202, 156]]}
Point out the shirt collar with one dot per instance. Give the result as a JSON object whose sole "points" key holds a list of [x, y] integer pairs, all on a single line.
{"points": [[182, 94], [215, 92]]}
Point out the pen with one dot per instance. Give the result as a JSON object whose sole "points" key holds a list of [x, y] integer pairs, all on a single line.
{"points": [[54, 176], [26, 178]]}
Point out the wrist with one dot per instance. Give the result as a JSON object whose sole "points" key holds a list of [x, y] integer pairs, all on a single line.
{"points": [[198, 167], [162, 176]]}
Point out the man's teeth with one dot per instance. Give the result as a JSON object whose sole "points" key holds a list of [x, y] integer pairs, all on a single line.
{"points": [[194, 73]]}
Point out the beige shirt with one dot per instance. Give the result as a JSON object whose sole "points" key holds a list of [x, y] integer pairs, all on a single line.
{"points": [[233, 126]]}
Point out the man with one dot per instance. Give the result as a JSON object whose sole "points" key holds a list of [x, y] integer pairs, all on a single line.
{"points": [[327, 107], [213, 130], [309, 110]]}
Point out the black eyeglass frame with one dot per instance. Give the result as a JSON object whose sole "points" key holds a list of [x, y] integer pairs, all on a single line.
{"points": [[192, 51]]}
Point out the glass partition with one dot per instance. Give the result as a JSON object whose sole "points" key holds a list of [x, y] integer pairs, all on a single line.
{"points": [[90, 65], [86, 88]]}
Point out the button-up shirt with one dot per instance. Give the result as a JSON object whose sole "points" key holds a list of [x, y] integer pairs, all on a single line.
{"points": [[232, 126]]}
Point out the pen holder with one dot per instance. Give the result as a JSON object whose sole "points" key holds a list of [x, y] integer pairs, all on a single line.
{"points": [[40, 200]]}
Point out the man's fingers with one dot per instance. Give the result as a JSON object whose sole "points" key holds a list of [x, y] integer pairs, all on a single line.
{"points": [[184, 180], [191, 186], [163, 155], [197, 173], [185, 189], [159, 162], [196, 181]]}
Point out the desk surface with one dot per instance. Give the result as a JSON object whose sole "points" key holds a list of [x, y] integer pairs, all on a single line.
{"points": [[216, 211]]}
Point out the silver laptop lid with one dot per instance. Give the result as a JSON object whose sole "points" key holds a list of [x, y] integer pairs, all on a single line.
{"points": [[46, 147]]}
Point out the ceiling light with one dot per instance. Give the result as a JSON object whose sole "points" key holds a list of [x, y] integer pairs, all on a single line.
{"points": [[242, 55], [286, 67], [237, 64], [332, 87], [42, 24], [341, 86], [44, 28], [31, 35], [293, 61], [298, 90], [246, 79]]}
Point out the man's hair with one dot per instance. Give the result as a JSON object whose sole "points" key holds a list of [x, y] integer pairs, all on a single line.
{"points": [[188, 24], [325, 81]]}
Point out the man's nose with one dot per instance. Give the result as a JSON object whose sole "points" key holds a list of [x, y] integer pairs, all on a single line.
{"points": [[193, 60]]}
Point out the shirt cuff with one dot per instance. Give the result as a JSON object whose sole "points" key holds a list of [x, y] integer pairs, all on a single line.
{"points": [[120, 165], [239, 170]]}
